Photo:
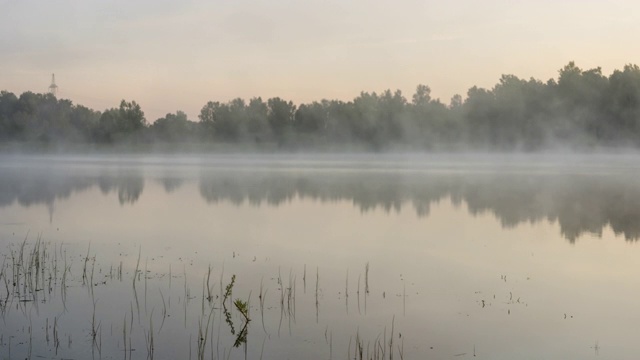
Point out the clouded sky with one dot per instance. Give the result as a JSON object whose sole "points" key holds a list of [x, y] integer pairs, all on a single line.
{"points": [[176, 55]]}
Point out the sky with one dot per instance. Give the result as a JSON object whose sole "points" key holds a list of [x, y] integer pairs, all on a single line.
{"points": [[178, 55]]}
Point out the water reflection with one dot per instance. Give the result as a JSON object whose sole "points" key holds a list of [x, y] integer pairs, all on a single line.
{"points": [[129, 186], [580, 203], [36, 186]]}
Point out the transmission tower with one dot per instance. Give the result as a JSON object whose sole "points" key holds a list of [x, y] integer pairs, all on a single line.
{"points": [[53, 88]]}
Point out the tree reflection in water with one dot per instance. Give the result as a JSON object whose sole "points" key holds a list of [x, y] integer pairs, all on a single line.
{"points": [[580, 203]]}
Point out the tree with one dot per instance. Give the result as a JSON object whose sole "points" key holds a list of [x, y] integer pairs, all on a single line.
{"points": [[311, 118], [224, 121], [422, 95], [456, 101], [392, 107], [257, 125], [280, 116], [131, 117], [173, 127], [581, 95], [9, 129], [207, 119], [232, 125], [479, 112], [623, 100], [125, 123], [84, 121]]}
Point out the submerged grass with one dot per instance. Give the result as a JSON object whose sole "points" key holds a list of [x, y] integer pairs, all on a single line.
{"points": [[38, 274]]}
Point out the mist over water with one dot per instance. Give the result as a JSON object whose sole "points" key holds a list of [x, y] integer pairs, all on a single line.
{"points": [[454, 252], [584, 194]]}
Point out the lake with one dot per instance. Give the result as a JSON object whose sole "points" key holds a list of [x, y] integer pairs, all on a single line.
{"points": [[319, 256]]}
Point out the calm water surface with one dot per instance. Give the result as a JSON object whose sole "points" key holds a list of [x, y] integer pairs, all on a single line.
{"points": [[492, 257]]}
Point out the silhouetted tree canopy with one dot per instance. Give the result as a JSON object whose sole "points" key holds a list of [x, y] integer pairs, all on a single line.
{"points": [[580, 109], [174, 127]]}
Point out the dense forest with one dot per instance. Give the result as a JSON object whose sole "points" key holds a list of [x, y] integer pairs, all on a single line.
{"points": [[578, 110]]}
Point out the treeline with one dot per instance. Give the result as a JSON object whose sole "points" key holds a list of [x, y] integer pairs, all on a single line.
{"points": [[581, 109]]}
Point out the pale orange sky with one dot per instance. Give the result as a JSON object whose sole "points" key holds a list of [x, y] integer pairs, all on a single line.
{"points": [[170, 55]]}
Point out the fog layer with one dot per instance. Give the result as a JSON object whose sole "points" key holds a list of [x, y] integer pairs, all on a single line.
{"points": [[584, 195]]}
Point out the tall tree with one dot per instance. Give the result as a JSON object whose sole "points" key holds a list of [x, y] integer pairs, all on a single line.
{"points": [[174, 127], [280, 117], [623, 100], [125, 123]]}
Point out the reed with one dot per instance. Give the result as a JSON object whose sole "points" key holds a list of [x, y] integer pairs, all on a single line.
{"points": [[186, 295], [124, 336], [243, 308], [261, 299], [203, 335], [209, 289], [304, 279], [358, 294], [30, 339], [56, 336], [36, 268], [227, 295], [135, 273], [146, 261], [391, 338], [96, 331], [164, 310], [366, 278], [346, 291], [359, 347], [149, 339], [84, 267]]}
